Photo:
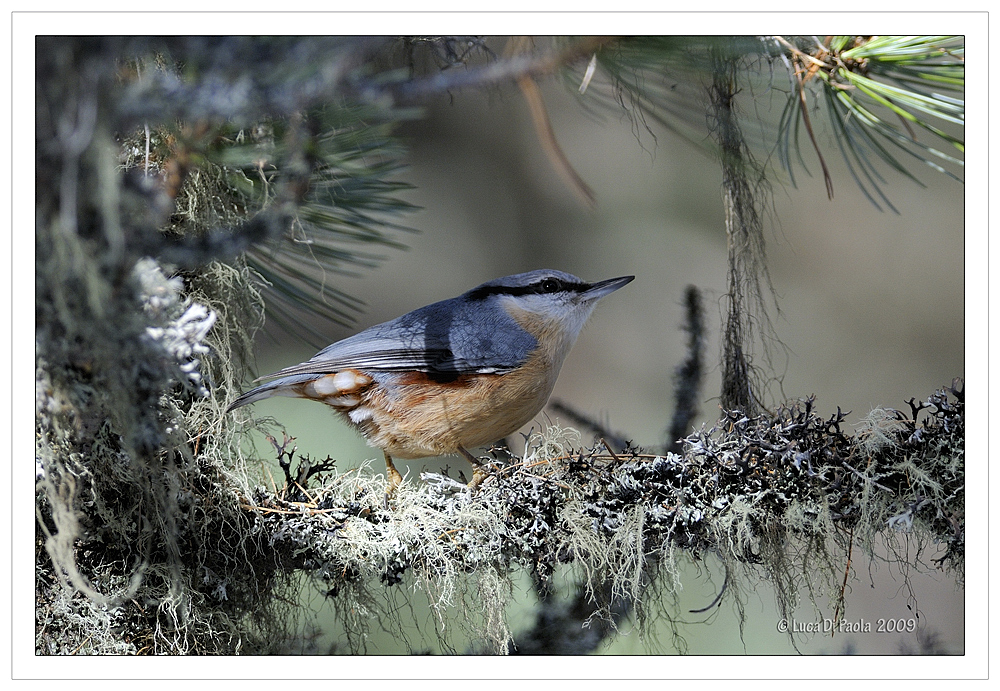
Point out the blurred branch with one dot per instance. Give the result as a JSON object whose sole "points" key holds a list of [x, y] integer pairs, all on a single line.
{"points": [[506, 70], [572, 626], [238, 79], [688, 375], [615, 441]]}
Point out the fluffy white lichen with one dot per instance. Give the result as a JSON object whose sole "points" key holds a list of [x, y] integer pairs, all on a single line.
{"points": [[179, 326]]}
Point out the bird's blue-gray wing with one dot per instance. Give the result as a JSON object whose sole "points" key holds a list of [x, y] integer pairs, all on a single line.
{"points": [[453, 336]]}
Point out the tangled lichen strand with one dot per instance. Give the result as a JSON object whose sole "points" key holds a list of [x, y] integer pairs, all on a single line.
{"points": [[782, 496]]}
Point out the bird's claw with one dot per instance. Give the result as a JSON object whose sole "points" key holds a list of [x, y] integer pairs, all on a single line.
{"points": [[479, 474]]}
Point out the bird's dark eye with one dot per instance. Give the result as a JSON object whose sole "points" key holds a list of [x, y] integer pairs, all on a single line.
{"points": [[551, 285]]}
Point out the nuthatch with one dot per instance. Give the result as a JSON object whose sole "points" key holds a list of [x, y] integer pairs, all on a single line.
{"points": [[451, 376]]}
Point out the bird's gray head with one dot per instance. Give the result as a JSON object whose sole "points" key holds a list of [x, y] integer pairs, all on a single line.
{"points": [[557, 300]]}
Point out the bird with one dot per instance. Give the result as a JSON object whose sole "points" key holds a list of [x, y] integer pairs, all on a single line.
{"points": [[453, 375]]}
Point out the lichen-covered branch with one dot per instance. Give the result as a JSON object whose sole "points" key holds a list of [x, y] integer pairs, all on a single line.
{"points": [[780, 497]]}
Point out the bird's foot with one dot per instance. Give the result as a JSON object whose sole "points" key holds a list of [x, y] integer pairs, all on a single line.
{"points": [[393, 480], [479, 472], [478, 475]]}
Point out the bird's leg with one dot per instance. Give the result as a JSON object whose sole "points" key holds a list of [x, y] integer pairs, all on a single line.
{"points": [[478, 471], [394, 477]]}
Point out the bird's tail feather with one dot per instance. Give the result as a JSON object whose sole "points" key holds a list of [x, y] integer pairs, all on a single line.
{"points": [[283, 386]]}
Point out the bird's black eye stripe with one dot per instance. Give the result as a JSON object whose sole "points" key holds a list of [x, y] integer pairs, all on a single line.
{"points": [[547, 285]]}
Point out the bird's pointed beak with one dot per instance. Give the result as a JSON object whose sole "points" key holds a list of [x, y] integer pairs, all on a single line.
{"points": [[602, 288]]}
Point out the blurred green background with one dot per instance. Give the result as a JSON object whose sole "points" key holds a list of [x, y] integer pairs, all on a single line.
{"points": [[872, 313]]}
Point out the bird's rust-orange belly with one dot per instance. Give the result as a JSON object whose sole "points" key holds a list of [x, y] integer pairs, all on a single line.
{"points": [[416, 416]]}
